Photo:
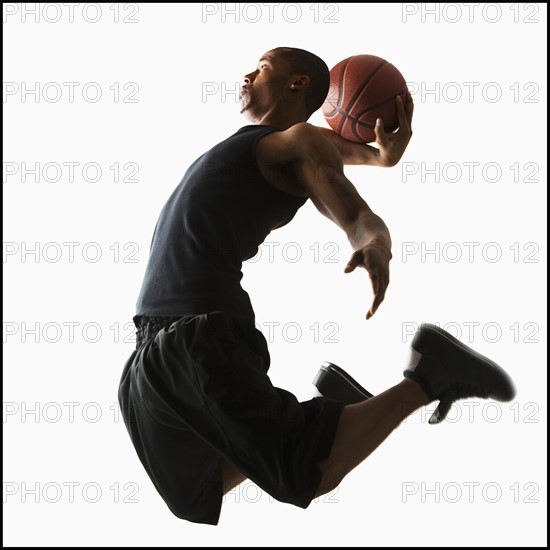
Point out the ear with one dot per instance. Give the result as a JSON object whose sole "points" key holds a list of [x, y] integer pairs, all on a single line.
{"points": [[299, 82]]}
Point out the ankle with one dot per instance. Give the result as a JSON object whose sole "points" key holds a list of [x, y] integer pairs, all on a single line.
{"points": [[415, 393]]}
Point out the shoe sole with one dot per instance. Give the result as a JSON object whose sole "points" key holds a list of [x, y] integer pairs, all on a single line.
{"points": [[429, 334], [334, 382]]}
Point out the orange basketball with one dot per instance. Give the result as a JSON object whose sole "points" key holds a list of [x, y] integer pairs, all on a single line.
{"points": [[362, 89]]}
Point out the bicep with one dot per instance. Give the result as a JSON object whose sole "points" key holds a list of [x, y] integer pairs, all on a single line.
{"points": [[331, 192], [320, 172], [317, 167]]}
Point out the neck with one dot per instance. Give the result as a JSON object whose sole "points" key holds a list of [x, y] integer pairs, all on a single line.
{"points": [[273, 117]]}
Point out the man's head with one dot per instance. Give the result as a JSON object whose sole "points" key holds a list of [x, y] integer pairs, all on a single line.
{"points": [[288, 82]]}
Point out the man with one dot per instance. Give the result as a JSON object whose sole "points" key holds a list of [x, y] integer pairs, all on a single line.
{"points": [[195, 396]]}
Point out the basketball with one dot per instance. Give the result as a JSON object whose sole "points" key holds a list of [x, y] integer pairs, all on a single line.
{"points": [[362, 89]]}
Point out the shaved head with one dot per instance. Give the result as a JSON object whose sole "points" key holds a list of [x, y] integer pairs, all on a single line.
{"points": [[306, 63]]}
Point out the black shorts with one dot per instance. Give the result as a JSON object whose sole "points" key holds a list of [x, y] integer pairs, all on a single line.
{"points": [[197, 390]]}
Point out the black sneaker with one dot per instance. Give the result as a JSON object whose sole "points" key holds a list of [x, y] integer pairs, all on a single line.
{"points": [[334, 382], [448, 370]]}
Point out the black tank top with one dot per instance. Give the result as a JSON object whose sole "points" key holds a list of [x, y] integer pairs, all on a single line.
{"points": [[216, 218]]}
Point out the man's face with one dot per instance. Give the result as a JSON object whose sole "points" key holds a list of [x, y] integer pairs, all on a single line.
{"points": [[265, 85]]}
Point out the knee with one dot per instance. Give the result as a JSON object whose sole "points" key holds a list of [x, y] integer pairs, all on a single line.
{"points": [[231, 477]]}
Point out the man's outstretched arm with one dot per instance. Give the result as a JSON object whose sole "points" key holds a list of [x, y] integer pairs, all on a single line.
{"points": [[316, 165], [391, 146]]}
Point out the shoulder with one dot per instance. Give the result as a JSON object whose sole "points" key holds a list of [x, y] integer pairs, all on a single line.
{"points": [[298, 143], [303, 130]]}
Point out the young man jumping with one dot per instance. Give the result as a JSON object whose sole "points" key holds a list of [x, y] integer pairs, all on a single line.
{"points": [[195, 394]]}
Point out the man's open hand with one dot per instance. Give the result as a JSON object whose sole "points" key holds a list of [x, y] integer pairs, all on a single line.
{"points": [[375, 258]]}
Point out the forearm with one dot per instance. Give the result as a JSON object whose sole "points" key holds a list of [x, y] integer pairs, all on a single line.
{"points": [[368, 229], [353, 153]]}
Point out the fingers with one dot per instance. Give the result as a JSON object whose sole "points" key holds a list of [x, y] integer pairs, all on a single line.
{"points": [[403, 115], [379, 286], [378, 299], [409, 108], [400, 111], [356, 259], [379, 131], [378, 273]]}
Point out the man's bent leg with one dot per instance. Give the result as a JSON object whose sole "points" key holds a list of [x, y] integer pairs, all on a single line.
{"points": [[364, 426]]}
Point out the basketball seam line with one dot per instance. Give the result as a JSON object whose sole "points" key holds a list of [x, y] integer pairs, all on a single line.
{"points": [[343, 113], [354, 99], [358, 93], [341, 95], [356, 121], [380, 104]]}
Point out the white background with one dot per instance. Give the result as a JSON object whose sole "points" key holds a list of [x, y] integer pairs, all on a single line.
{"points": [[476, 480]]}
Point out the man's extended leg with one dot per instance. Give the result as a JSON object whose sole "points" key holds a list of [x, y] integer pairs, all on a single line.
{"points": [[361, 429], [441, 367], [364, 426]]}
